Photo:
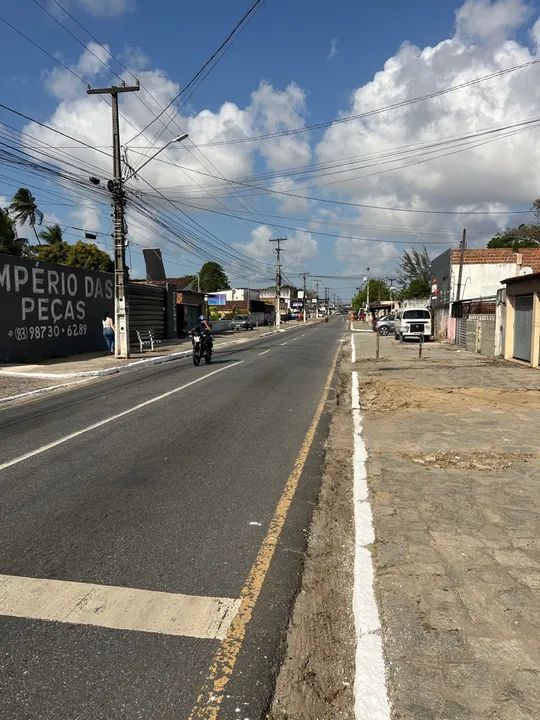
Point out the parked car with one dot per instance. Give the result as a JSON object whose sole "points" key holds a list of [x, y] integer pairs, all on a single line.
{"points": [[243, 322], [411, 323], [385, 325]]}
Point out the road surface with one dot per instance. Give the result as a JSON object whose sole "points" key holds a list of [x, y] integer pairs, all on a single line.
{"points": [[151, 534]]}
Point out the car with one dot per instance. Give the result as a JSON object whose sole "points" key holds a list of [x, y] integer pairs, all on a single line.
{"points": [[413, 323], [385, 325], [243, 322]]}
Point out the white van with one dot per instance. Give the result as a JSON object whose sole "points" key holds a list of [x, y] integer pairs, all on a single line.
{"points": [[412, 322]]}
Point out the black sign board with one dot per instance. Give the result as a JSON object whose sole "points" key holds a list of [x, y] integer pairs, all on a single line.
{"points": [[51, 310]]}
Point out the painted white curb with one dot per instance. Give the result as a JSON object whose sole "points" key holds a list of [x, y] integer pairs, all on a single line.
{"points": [[370, 691]]}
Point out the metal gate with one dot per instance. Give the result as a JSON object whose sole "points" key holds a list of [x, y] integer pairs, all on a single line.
{"points": [[146, 310], [461, 332], [523, 327]]}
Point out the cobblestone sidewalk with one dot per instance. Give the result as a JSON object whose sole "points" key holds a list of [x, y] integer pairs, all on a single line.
{"points": [[454, 473]]}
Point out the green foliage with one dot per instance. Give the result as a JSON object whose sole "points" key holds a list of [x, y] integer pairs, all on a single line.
{"points": [[213, 278], [52, 235], [25, 210], [378, 291], [10, 244], [523, 236], [81, 255], [416, 289], [89, 257], [415, 265]]}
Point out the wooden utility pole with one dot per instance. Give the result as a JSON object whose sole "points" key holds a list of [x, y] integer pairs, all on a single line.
{"points": [[304, 275], [462, 245], [121, 310], [317, 299], [278, 242]]}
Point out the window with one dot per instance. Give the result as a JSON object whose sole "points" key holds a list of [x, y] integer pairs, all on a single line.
{"points": [[416, 315]]}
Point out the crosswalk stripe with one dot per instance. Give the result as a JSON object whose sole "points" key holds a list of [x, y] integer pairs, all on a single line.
{"points": [[119, 608]]}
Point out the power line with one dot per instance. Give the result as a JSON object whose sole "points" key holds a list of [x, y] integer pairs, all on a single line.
{"points": [[206, 65], [370, 113]]}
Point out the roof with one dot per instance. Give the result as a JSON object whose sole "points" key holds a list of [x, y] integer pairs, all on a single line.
{"points": [[521, 278], [480, 256]]}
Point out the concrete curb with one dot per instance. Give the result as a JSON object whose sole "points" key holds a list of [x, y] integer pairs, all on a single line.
{"points": [[138, 364]]}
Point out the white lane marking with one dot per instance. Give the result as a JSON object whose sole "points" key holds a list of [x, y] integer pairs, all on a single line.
{"points": [[119, 608], [111, 418], [353, 349], [285, 343], [371, 696], [264, 352]]}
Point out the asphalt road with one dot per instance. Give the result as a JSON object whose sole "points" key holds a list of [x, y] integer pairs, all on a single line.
{"points": [[154, 482]]}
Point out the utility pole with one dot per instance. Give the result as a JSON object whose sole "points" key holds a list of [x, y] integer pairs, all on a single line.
{"points": [[278, 242], [304, 275], [462, 245], [317, 299], [326, 300], [121, 310], [367, 291]]}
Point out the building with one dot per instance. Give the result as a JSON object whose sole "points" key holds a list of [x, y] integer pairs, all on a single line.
{"points": [[522, 322], [465, 312]]}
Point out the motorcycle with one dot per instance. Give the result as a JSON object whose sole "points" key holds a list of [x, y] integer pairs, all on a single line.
{"points": [[202, 347]]}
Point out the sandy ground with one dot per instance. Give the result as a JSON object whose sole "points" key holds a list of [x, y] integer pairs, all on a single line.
{"points": [[316, 679]]}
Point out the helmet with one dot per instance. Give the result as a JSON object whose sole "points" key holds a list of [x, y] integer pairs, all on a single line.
{"points": [[202, 317]]}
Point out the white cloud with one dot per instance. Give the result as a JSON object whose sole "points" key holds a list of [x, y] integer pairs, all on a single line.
{"points": [[333, 49], [105, 8], [298, 247], [273, 110], [64, 84], [502, 174], [485, 18], [359, 254]]}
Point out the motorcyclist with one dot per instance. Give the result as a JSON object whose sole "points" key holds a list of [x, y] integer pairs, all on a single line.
{"points": [[204, 330]]}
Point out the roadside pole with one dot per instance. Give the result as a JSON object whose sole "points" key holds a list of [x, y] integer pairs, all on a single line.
{"points": [[317, 300], [462, 246], [304, 275], [378, 342], [121, 309], [278, 242]]}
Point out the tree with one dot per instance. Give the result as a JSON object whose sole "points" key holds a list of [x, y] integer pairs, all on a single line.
{"points": [[89, 257], [52, 235], [414, 265], [378, 291], [25, 210], [523, 236], [416, 289], [10, 244], [81, 255], [213, 278]]}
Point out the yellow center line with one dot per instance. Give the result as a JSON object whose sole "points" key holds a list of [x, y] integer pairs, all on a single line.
{"points": [[212, 692]]}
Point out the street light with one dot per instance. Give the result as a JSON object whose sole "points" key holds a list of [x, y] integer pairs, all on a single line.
{"points": [[174, 140]]}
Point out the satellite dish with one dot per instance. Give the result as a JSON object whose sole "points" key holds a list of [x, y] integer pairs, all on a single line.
{"points": [[526, 270]]}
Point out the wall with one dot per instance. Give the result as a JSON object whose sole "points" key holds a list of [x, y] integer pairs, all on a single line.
{"points": [[481, 280], [51, 310]]}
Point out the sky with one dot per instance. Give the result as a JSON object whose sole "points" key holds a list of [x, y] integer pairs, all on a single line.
{"points": [[349, 195]]}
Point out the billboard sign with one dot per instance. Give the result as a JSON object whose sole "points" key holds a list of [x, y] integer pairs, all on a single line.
{"points": [[51, 310], [217, 299]]}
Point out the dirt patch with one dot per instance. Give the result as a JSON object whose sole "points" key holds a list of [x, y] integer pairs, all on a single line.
{"points": [[392, 396], [316, 679], [477, 460]]}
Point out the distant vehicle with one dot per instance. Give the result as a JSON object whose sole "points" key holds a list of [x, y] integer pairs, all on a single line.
{"points": [[411, 323], [243, 322], [385, 325]]}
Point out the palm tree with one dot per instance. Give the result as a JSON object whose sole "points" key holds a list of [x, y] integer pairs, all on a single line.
{"points": [[24, 209], [52, 235], [10, 244]]}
